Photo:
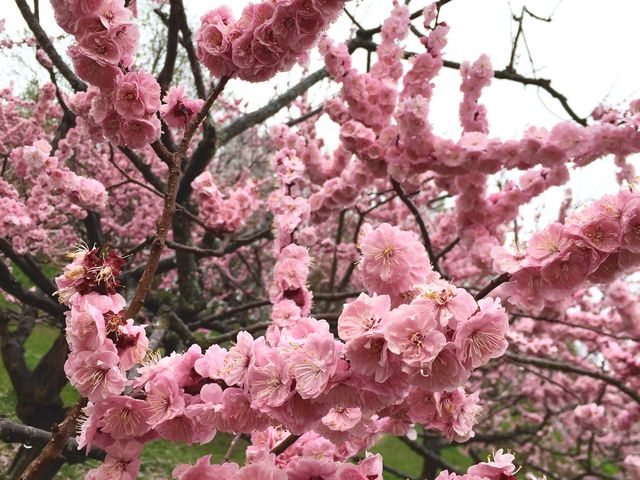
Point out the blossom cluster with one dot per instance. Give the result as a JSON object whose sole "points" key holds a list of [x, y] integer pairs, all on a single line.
{"points": [[302, 467], [220, 212], [397, 366], [53, 188], [595, 244], [124, 101], [269, 37]]}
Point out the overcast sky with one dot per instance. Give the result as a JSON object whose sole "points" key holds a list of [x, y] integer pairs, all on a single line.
{"points": [[587, 50]]}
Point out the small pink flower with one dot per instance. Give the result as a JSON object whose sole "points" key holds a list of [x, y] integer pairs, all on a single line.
{"points": [[411, 332], [164, 400], [121, 463], [203, 470], [314, 364], [95, 374], [268, 377], [482, 337], [125, 417], [362, 315], [179, 110], [264, 470], [236, 362]]}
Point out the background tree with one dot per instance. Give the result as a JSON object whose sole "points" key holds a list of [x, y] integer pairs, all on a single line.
{"points": [[209, 224]]}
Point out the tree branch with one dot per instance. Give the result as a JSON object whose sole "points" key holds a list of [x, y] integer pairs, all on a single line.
{"points": [[563, 367], [423, 229], [43, 39], [251, 119], [11, 432]]}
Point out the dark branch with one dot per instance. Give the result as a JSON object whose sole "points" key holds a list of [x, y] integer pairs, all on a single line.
{"points": [[43, 39]]}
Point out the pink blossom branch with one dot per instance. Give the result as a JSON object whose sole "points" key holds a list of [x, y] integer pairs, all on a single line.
{"points": [[173, 183], [50, 456], [43, 39]]}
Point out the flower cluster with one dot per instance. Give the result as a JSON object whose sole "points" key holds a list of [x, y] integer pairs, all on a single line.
{"points": [[302, 467], [125, 102], [398, 365], [54, 191], [595, 245], [220, 212], [269, 37]]}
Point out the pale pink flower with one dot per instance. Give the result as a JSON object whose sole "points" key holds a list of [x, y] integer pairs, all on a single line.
{"points": [[452, 305], [124, 417], [482, 337], [306, 468], [137, 95], [544, 246], [264, 470], [179, 110], [369, 355], [236, 362], [164, 400], [268, 377], [444, 373], [203, 470], [121, 463], [314, 364], [342, 418], [363, 315], [95, 374], [500, 467], [411, 332]]}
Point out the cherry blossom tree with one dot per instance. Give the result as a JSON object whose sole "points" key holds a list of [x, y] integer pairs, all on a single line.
{"points": [[211, 270]]}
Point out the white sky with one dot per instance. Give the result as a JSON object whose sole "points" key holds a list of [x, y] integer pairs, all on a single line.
{"points": [[588, 51]]}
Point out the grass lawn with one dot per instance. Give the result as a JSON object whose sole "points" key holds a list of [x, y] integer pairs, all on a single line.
{"points": [[160, 457]]}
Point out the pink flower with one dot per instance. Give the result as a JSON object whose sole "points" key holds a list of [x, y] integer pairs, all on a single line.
{"points": [[137, 133], [362, 315], [124, 417], [211, 365], [368, 469], [369, 355], [445, 372], [591, 416], [342, 418], [121, 463], [100, 47], [164, 400], [137, 95], [95, 374], [482, 337], [306, 468], [268, 377], [179, 110], [102, 75], [457, 413], [411, 333], [393, 260], [501, 467], [236, 362], [203, 470], [264, 470], [453, 305], [544, 246], [314, 364]]}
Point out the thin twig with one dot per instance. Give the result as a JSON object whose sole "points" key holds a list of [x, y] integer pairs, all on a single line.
{"points": [[418, 217]]}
